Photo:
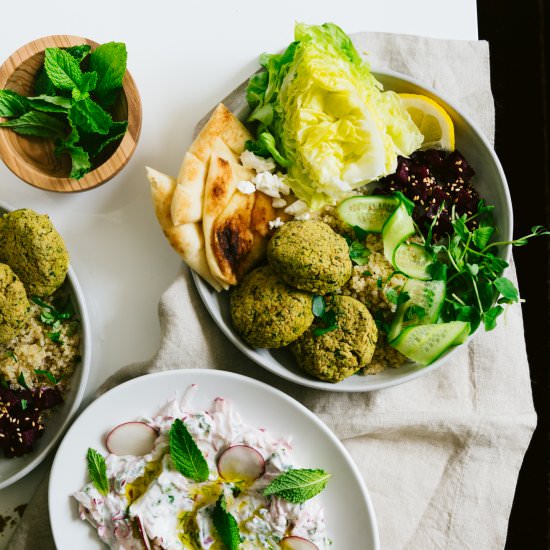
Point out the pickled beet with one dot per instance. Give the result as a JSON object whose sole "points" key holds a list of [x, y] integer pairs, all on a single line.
{"points": [[431, 178]]}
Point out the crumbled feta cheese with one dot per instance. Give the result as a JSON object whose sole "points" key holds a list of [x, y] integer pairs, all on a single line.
{"points": [[246, 187], [277, 222], [278, 203], [254, 162], [271, 184], [299, 209]]}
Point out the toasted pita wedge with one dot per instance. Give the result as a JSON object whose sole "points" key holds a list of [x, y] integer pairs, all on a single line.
{"points": [[223, 125], [231, 236], [188, 196], [186, 239]]}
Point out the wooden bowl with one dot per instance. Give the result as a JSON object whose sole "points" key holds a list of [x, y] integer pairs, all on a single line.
{"points": [[33, 159]]}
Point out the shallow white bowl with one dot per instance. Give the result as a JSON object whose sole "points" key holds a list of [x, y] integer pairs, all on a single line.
{"points": [[350, 517], [13, 469], [489, 180]]}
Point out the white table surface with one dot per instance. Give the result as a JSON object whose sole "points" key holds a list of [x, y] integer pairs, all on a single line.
{"points": [[184, 55]]}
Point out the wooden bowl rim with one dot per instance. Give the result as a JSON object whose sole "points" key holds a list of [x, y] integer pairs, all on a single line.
{"points": [[104, 172]]}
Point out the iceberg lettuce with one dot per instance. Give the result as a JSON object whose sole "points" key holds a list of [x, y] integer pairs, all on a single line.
{"points": [[320, 112]]}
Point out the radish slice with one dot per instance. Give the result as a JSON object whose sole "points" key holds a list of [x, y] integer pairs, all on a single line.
{"points": [[297, 543], [131, 438], [143, 534], [241, 463]]}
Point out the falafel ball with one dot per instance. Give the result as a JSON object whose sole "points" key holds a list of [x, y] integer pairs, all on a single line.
{"points": [[266, 312], [14, 305], [310, 256], [31, 246], [340, 352]]}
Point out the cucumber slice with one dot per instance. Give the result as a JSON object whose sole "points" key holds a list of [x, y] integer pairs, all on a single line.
{"points": [[397, 228], [367, 212], [413, 260], [425, 343], [427, 296]]}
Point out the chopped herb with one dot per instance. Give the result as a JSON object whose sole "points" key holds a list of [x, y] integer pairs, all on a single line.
{"points": [[12, 355], [366, 273], [359, 253], [24, 404], [326, 316], [48, 375], [395, 297], [21, 380]]}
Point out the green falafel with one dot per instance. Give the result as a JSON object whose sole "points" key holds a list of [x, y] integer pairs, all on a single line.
{"points": [[14, 305], [310, 256], [341, 352], [31, 246], [266, 312]]}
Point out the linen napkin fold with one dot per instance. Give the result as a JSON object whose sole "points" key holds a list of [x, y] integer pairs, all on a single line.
{"points": [[440, 454]]}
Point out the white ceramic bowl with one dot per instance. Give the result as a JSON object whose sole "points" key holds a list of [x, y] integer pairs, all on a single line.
{"points": [[13, 469], [489, 180]]}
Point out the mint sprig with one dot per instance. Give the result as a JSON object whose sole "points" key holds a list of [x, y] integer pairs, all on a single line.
{"points": [[298, 485], [186, 456], [71, 101], [226, 525], [97, 470]]}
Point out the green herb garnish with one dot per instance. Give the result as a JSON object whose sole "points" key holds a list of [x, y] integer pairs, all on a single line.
{"points": [[24, 404], [476, 289], [226, 525], [186, 456], [48, 375], [395, 297], [53, 317], [97, 470], [326, 316], [74, 88], [359, 253], [12, 355], [298, 485], [21, 380]]}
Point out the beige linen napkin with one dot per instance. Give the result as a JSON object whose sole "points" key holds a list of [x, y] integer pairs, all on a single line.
{"points": [[440, 455]]}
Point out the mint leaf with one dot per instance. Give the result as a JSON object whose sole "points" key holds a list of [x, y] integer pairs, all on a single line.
{"points": [[79, 52], [50, 104], [226, 525], [43, 85], [38, 124], [298, 485], [109, 62], [12, 104], [80, 162], [95, 143], [186, 456], [97, 470], [90, 117], [62, 69]]}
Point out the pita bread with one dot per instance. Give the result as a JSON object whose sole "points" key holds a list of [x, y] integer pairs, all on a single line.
{"points": [[223, 126], [186, 239]]}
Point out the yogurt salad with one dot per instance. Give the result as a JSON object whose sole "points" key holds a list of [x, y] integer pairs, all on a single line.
{"points": [[188, 479]]}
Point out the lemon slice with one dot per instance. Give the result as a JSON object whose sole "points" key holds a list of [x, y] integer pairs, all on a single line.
{"points": [[432, 120]]}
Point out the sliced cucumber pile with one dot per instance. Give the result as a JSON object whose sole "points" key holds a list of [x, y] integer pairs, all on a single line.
{"points": [[414, 330], [425, 343], [423, 306]]}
